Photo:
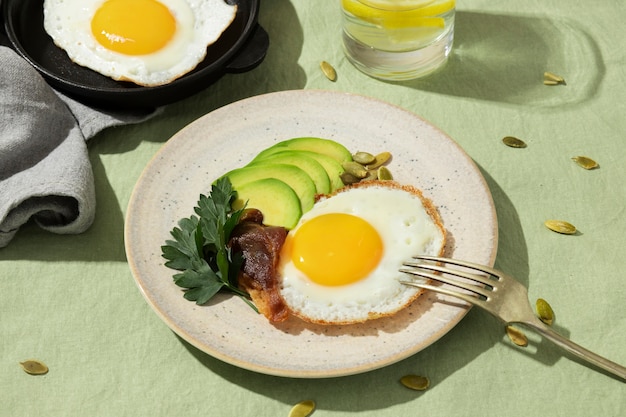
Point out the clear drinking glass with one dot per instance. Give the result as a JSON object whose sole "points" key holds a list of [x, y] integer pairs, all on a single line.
{"points": [[397, 39]]}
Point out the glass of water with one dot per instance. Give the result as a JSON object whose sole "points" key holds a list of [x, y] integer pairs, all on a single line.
{"points": [[397, 39]]}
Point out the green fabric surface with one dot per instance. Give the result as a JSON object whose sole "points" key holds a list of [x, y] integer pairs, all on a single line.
{"points": [[71, 301]]}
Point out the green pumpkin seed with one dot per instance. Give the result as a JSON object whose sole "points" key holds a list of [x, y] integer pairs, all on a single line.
{"points": [[384, 174], [363, 158], [550, 78], [560, 226], [415, 382], [348, 178], [544, 311], [380, 160], [34, 367], [585, 162], [354, 168], [365, 167], [328, 70], [371, 175], [302, 409], [516, 336], [513, 142]]}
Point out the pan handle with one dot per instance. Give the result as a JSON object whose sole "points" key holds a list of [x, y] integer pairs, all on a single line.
{"points": [[252, 53]]}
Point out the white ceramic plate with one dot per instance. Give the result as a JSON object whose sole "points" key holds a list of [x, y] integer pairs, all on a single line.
{"points": [[226, 327]]}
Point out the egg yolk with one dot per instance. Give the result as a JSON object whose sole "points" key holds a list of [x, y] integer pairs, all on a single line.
{"points": [[133, 27], [336, 249]]}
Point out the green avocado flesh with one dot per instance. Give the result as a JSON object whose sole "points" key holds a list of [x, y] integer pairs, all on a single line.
{"points": [[318, 145], [277, 201], [313, 168], [291, 175], [282, 180], [333, 168]]}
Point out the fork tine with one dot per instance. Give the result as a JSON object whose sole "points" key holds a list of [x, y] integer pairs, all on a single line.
{"points": [[452, 293], [486, 280], [482, 268], [447, 280]]}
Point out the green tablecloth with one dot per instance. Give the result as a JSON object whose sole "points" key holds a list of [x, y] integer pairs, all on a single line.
{"points": [[71, 301]]}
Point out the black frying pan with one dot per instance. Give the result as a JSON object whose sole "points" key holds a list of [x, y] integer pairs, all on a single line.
{"points": [[240, 48]]}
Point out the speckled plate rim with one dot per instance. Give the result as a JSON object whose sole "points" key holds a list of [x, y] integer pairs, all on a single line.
{"points": [[226, 328]]}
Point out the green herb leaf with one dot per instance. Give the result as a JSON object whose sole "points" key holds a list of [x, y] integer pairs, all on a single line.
{"points": [[197, 277], [200, 247], [185, 248], [202, 285]]}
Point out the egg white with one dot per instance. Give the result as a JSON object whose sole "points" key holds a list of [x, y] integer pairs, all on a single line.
{"points": [[406, 227], [199, 24]]}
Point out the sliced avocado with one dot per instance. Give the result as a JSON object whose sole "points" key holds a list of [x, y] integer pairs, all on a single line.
{"points": [[332, 167], [313, 168], [322, 146], [291, 175], [278, 202]]}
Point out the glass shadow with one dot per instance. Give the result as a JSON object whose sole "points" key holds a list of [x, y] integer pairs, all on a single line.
{"points": [[502, 58]]}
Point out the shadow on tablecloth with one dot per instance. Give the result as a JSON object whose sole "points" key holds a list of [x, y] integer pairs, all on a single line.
{"points": [[502, 58]]}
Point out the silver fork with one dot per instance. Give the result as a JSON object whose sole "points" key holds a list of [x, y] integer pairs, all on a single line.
{"points": [[501, 295]]}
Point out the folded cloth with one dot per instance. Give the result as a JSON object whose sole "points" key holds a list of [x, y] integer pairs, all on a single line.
{"points": [[45, 172]]}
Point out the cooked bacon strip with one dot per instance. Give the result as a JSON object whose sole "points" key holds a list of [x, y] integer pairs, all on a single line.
{"points": [[260, 246]]}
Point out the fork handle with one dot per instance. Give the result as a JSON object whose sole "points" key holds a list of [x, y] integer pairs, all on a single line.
{"points": [[577, 350]]}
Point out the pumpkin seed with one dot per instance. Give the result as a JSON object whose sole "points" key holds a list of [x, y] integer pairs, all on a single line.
{"points": [[354, 168], [328, 70], [302, 409], [363, 158], [585, 162], [371, 175], [348, 178], [544, 311], [380, 160], [516, 336], [513, 142], [560, 226], [550, 78], [365, 167], [384, 174], [415, 382], [34, 367]]}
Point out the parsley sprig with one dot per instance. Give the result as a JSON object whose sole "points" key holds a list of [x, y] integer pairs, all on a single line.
{"points": [[200, 250]]}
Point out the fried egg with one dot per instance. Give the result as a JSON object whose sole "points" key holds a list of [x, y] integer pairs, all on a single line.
{"points": [[148, 42], [339, 265]]}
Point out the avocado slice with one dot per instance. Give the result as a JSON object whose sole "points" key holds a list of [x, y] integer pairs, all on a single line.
{"points": [[313, 168], [333, 168], [291, 175], [278, 202], [321, 146]]}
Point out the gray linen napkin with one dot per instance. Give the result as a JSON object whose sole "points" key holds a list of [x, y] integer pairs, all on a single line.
{"points": [[45, 173]]}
